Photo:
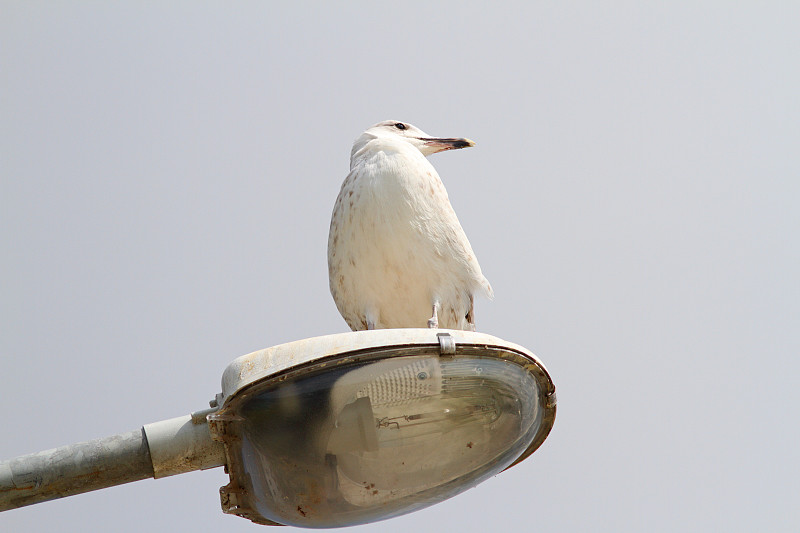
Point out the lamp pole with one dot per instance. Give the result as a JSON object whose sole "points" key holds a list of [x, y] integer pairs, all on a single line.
{"points": [[157, 450]]}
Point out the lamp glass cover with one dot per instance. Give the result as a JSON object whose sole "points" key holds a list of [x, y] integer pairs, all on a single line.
{"points": [[369, 441]]}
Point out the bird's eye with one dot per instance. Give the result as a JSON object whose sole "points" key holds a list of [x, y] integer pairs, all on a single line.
{"points": [[400, 126]]}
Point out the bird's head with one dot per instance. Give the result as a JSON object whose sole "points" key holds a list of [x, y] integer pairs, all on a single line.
{"points": [[394, 131]]}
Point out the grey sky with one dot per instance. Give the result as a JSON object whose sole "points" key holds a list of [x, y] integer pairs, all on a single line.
{"points": [[167, 176]]}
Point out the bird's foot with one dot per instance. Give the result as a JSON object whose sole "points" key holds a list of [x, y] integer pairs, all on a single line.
{"points": [[433, 322]]}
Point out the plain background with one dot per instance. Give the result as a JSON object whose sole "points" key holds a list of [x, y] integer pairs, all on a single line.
{"points": [[168, 174]]}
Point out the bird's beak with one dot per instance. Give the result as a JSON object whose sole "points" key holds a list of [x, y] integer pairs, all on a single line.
{"points": [[434, 144]]}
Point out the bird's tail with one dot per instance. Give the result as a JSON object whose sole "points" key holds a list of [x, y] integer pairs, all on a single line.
{"points": [[487, 289]]}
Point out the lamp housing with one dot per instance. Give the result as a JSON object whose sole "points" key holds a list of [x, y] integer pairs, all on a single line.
{"points": [[358, 427]]}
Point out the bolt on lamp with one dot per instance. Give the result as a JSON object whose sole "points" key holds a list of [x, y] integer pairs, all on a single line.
{"points": [[330, 431]]}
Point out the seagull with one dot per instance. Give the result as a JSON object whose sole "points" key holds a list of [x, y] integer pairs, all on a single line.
{"points": [[397, 254]]}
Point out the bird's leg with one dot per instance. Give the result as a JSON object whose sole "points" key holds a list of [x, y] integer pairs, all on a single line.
{"points": [[433, 322], [471, 313], [370, 324]]}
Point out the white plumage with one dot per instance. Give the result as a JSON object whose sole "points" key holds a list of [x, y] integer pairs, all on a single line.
{"points": [[397, 255]]}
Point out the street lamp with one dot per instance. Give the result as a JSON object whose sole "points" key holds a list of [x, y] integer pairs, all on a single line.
{"points": [[330, 431]]}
